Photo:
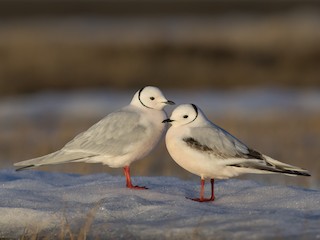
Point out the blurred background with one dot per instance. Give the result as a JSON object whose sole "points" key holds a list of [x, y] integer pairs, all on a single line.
{"points": [[252, 65]]}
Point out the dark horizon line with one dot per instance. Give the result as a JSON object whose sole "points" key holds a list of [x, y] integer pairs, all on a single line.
{"points": [[146, 8]]}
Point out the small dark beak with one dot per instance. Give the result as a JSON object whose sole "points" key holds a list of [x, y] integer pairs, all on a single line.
{"points": [[167, 120], [170, 102]]}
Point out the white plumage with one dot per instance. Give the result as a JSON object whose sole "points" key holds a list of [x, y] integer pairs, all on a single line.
{"points": [[117, 140], [204, 149]]}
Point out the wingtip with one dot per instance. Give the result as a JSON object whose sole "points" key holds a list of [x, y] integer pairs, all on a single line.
{"points": [[307, 174], [298, 173], [301, 172], [24, 168]]}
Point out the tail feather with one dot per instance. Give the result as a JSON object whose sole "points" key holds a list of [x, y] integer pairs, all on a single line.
{"points": [[286, 168], [52, 158]]}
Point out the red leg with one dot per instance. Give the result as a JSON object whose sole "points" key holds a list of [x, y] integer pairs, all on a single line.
{"points": [[212, 190], [126, 170], [202, 182], [202, 199]]}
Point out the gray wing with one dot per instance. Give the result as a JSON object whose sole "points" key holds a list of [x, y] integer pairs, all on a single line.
{"points": [[114, 135], [215, 140]]}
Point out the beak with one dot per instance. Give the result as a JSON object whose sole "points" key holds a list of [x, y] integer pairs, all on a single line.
{"points": [[169, 102], [167, 120]]}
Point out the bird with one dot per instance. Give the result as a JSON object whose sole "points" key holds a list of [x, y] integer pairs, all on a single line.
{"points": [[205, 149], [120, 138]]}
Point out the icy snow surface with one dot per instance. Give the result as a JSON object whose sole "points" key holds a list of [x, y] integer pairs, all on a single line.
{"points": [[51, 204]]}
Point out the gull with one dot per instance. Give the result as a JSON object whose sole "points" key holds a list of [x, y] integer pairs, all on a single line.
{"points": [[117, 140], [206, 150]]}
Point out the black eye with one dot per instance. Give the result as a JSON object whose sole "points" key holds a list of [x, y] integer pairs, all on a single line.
{"points": [[151, 98], [185, 116]]}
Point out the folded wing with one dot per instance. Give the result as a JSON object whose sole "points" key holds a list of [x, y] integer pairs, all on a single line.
{"points": [[230, 151], [114, 135]]}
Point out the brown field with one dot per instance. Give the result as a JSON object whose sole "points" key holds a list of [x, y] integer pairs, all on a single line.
{"points": [[232, 49]]}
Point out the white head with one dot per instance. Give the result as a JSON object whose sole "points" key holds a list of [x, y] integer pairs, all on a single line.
{"points": [[150, 97], [185, 114]]}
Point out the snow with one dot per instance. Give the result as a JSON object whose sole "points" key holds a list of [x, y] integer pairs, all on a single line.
{"points": [[35, 203]]}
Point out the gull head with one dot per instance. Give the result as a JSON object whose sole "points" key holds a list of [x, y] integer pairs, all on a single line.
{"points": [[183, 114], [150, 97]]}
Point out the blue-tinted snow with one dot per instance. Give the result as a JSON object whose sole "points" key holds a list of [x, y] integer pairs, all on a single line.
{"points": [[35, 202]]}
